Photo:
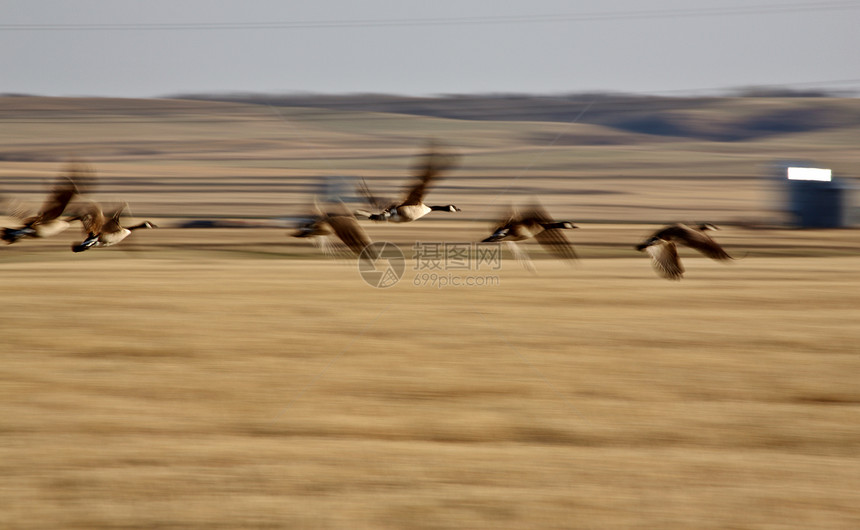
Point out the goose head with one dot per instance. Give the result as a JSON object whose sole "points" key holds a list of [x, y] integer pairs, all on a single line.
{"points": [[145, 224]]}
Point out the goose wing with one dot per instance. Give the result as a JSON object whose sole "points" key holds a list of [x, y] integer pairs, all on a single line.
{"points": [[77, 179], [434, 164], [313, 216], [91, 217], [112, 223], [535, 213], [504, 228], [378, 204], [82, 175], [554, 240], [17, 209], [509, 216], [349, 231], [521, 256], [62, 193], [345, 226], [664, 257], [700, 241]]}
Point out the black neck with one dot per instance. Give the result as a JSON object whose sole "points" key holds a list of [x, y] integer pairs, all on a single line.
{"points": [[441, 208]]}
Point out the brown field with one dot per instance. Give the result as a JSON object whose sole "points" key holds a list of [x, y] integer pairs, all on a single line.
{"points": [[233, 378]]}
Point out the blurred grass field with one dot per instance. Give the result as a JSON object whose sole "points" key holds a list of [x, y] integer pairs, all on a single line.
{"points": [[234, 378]]}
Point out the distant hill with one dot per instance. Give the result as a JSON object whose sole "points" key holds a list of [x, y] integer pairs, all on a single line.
{"points": [[704, 118]]}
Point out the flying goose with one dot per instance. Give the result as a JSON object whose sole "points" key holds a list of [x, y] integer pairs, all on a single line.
{"points": [[102, 230], [533, 222], [336, 222], [47, 222], [412, 207], [664, 253]]}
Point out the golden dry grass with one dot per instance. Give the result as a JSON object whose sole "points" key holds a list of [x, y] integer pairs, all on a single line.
{"points": [[222, 392], [231, 378]]}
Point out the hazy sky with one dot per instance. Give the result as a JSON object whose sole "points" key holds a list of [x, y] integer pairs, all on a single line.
{"points": [[144, 48]]}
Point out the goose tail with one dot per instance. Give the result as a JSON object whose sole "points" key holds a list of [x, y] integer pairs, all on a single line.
{"points": [[85, 244], [11, 235]]}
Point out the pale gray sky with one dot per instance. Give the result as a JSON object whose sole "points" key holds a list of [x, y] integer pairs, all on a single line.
{"points": [[134, 48]]}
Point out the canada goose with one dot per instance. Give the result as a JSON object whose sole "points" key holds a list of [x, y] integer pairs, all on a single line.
{"points": [[48, 223], [533, 222], [337, 222], [102, 230], [664, 254], [412, 207]]}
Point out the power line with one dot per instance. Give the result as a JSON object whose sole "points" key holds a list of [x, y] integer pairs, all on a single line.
{"points": [[764, 9]]}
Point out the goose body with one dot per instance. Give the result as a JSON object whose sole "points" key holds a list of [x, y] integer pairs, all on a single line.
{"points": [[408, 212], [533, 223], [523, 229], [336, 224], [107, 239], [104, 231], [49, 228], [662, 247], [412, 207], [35, 229], [47, 222]]}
